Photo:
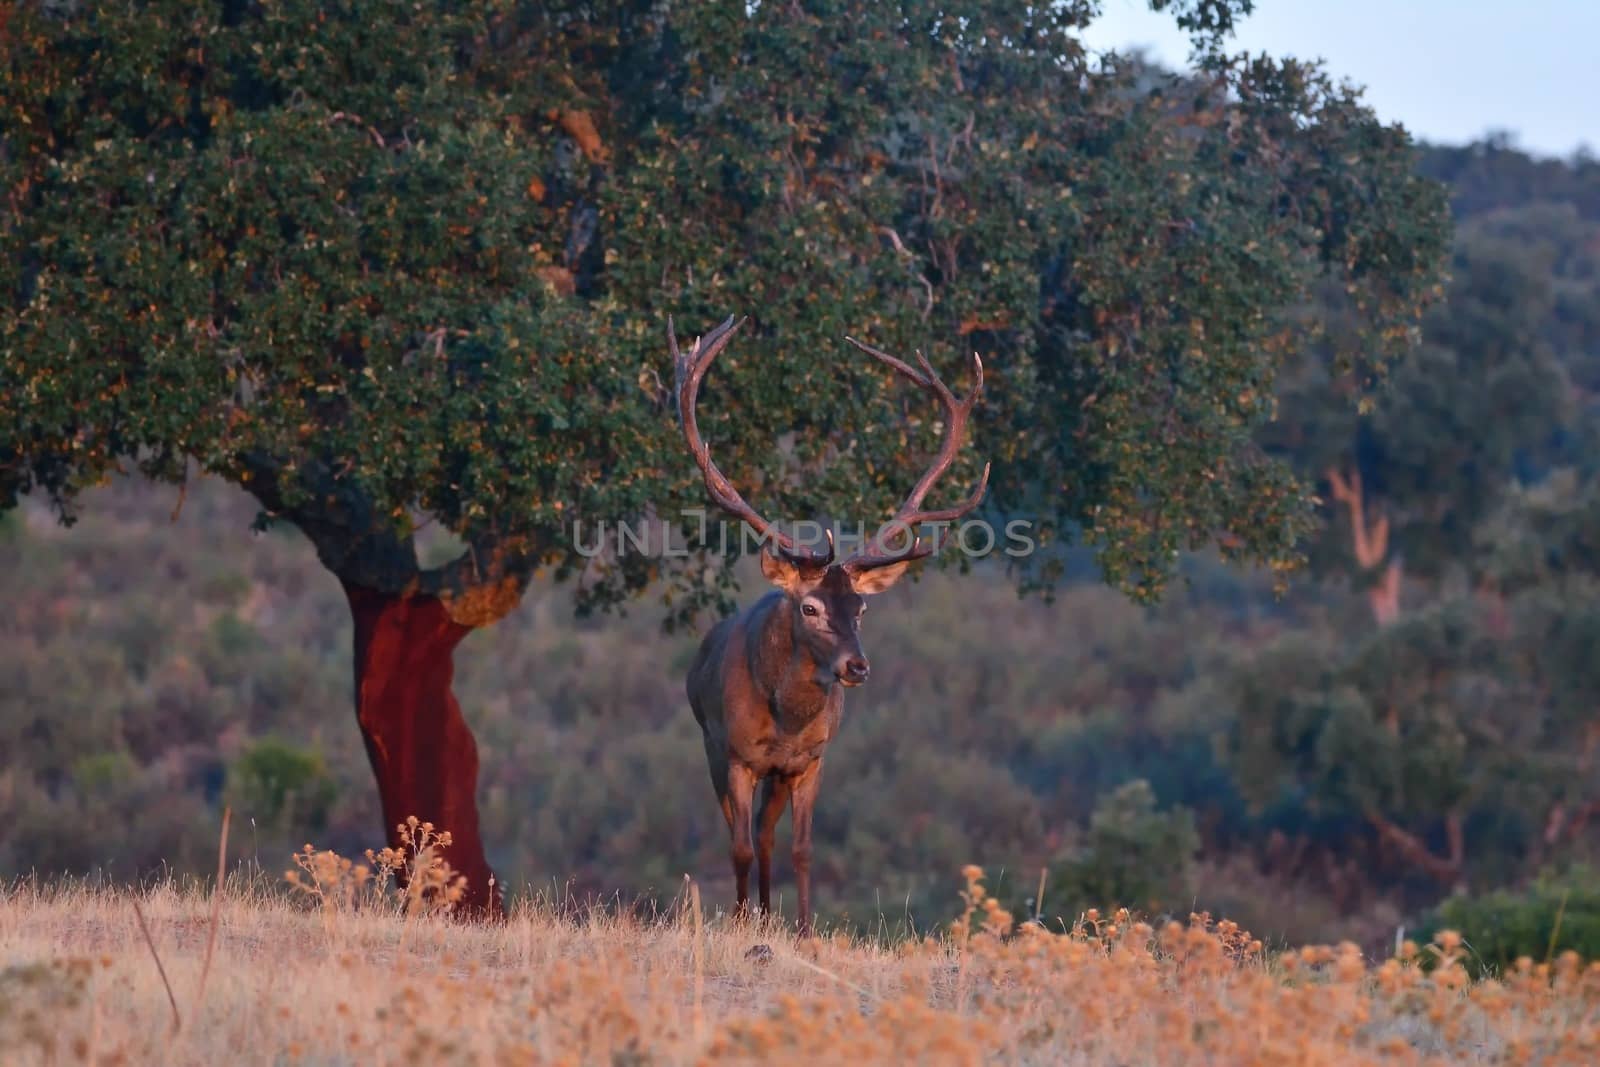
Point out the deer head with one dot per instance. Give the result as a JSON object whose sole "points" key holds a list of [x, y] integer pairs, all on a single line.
{"points": [[827, 598]]}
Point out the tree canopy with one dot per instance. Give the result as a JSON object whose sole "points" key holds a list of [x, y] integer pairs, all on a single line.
{"points": [[385, 264]]}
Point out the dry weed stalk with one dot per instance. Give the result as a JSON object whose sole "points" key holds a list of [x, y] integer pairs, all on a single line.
{"points": [[150, 943], [216, 910], [699, 958], [413, 877]]}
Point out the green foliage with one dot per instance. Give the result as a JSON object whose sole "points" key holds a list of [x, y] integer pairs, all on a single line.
{"points": [[1543, 533], [275, 782], [104, 773], [1558, 912], [379, 262], [1483, 364], [232, 635], [1458, 741], [1207, 21], [1132, 855], [1494, 402]]}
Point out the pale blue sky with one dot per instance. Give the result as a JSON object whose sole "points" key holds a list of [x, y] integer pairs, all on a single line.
{"points": [[1450, 70]]}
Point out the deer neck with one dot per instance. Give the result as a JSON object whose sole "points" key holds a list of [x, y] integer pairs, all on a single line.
{"points": [[794, 683]]}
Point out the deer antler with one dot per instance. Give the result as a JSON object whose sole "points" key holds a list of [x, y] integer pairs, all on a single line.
{"points": [[689, 370], [911, 513]]}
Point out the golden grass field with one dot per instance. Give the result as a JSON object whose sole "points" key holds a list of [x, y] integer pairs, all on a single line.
{"points": [[343, 969]]}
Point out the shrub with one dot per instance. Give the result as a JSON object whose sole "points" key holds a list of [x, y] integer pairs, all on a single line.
{"points": [[1132, 855], [273, 781], [1559, 911], [103, 773], [234, 637]]}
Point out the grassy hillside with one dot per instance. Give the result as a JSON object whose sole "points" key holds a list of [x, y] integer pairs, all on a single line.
{"points": [[344, 986]]}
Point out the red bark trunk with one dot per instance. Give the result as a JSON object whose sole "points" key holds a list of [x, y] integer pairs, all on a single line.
{"points": [[422, 751]]}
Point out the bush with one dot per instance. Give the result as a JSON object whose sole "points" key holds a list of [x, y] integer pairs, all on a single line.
{"points": [[1559, 911], [274, 781], [1132, 856], [104, 773]]}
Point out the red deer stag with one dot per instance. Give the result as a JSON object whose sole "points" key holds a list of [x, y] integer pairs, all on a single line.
{"points": [[767, 686]]}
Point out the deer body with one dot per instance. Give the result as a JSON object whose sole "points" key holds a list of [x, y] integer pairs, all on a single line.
{"points": [[757, 696], [767, 689], [767, 685]]}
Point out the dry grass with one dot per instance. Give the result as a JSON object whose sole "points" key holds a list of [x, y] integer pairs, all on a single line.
{"points": [[353, 976]]}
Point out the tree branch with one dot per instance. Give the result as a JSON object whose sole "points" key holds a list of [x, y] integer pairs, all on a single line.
{"points": [[1370, 544], [486, 581], [339, 519], [363, 547], [1444, 869]]}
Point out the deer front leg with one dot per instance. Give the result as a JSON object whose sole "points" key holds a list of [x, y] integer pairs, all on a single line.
{"points": [[804, 797], [736, 805], [774, 798]]}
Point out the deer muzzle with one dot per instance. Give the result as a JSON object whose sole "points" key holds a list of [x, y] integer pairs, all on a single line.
{"points": [[853, 670]]}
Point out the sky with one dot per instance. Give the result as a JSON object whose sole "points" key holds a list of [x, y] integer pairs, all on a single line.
{"points": [[1450, 70]]}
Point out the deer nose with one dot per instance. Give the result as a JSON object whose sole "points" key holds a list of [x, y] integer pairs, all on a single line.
{"points": [[855, 670]]}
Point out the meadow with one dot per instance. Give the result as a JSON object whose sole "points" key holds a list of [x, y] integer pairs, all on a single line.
{"points": [[343, 969]]}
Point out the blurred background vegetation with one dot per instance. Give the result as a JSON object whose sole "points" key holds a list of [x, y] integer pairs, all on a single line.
{"points": [[1289, 762]]}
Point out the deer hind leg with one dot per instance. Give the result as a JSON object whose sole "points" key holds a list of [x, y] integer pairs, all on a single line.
{"points": [[736, 804], [774, 798]]}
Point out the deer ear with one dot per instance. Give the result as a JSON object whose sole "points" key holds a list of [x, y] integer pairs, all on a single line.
{"points": [[876, 580], [786, 575]]}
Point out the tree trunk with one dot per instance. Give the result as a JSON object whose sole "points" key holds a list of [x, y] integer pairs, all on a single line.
{"points": [[1384, 596], [422, 752]]}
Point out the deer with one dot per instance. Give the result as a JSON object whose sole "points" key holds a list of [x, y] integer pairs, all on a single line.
{"points": [[767, 684]]}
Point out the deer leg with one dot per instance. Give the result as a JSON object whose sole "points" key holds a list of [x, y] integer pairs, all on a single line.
{"points": [[736, 805], [774, 798], [804, 797]]}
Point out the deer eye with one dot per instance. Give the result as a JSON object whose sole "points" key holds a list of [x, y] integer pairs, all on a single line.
{"points": [[809, 609]]}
